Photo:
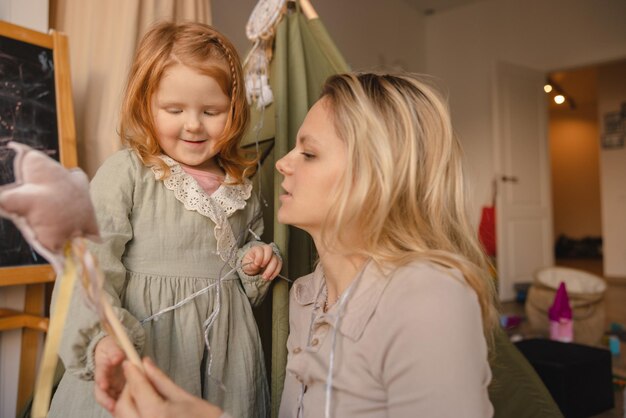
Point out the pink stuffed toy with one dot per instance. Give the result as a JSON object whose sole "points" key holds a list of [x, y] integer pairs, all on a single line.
{"points": [[49, 204]]}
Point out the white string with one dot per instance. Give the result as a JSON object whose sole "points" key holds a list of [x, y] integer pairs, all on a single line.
{"points": [[257, 132], [316, 307], [340, 309], [256, 237], [189, 298], [337, 322], [208, 323]]}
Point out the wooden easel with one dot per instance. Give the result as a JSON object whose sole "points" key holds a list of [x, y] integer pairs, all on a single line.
{"points": [[32, 320]]}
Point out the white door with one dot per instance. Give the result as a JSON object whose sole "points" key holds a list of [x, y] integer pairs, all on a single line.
{"points": [[522, 169]]}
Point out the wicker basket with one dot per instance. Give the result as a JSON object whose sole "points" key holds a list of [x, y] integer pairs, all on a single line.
{"points": [[586, 296]]}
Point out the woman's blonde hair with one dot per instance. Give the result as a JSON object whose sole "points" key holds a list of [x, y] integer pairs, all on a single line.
{"points": [[404, 188], [206, 50]]}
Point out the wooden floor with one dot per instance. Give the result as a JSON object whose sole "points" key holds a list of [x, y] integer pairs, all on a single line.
{"points": [[615, 299]]}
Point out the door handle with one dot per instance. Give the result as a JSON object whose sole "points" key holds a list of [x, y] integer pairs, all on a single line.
{"points": [[511, 179]]}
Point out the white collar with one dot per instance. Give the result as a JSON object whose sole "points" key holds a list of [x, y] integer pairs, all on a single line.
{"points": [[225, 201]]}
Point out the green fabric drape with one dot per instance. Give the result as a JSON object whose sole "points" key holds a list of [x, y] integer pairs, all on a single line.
{"points": [[304, 56]]}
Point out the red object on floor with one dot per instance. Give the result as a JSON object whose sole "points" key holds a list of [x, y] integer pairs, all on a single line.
{"points": [[487, 230]]}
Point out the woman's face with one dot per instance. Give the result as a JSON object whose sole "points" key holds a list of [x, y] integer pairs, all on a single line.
{"points": [[312, 171]]}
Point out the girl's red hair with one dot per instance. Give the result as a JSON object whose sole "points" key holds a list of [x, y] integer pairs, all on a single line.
{"points": [[206, 50]]}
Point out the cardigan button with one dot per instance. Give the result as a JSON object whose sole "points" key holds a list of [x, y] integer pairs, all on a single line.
{"points": [[315, 342], [297, 350]]}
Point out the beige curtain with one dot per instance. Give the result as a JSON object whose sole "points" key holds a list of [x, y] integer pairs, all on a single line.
{"points": [[102, 38]]}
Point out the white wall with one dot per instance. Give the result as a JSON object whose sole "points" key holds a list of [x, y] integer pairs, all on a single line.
{"points": [[32, 14], [369, 33], [611, 96], [463, 44]]}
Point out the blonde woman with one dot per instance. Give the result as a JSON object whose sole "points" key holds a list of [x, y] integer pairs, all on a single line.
{"points": [[396, 319]]}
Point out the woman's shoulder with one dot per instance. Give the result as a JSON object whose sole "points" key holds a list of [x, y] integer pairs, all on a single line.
{"points": [[428, 272], [423, 300], [426, 285]]}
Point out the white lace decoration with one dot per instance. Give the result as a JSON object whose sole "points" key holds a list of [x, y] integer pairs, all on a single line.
{"points": [[260, 30], [218, 207]]}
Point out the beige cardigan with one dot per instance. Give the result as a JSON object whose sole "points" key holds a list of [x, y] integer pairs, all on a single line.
{"points": [[410, 344]]}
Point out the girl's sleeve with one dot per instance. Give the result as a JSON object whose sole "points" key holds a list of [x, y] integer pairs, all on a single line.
{"points": [[112, 191], [435, 361], [255, 286]]}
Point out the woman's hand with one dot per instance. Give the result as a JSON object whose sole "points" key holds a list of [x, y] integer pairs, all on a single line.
{"points": [[261, 257], [109, 376], [154, 395]]}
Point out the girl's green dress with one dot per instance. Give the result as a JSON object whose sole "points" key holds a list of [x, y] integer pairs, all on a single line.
{"points": [[163, 240]]}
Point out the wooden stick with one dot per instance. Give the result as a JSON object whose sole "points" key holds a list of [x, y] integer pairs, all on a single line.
{"points": [[93, 280], [308, 10], [43, 385], [120, 335]]}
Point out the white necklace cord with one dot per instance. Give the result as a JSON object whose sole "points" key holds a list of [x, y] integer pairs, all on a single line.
{"points": [[343, 300], [316, 307], [340, 309]]}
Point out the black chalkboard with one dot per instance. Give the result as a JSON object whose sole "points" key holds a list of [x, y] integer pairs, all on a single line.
{"points": [[27, 115], [30, 112]]}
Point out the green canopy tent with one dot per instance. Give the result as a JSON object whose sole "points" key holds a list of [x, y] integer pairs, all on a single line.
{"points": [[304, 55]]}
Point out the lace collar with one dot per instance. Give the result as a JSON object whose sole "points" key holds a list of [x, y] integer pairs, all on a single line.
{"points": [[229, 197], [225, 201]]}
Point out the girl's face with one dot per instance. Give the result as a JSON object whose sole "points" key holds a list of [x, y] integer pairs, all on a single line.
{"points": [[190, 112], [312, 171]]}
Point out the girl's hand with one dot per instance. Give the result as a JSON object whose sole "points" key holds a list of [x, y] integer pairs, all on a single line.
{"points": [[261, 257], [109, 376], [154, 395]]}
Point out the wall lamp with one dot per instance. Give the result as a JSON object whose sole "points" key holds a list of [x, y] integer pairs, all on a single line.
{"points": [[558, 95]]}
